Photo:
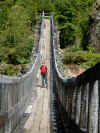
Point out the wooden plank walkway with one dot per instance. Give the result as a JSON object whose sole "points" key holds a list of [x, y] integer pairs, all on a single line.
{"points": [[39, 119]]}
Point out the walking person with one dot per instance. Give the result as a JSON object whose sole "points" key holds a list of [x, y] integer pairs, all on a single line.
{"points": [[44, 70]]}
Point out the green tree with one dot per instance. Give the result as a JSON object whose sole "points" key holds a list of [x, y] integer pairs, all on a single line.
{"points": [[45, 5], [17, 20], [76, 13]]}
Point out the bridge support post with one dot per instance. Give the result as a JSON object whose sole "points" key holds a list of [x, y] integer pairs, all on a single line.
{"points": [[78, 105], [93, 109]]}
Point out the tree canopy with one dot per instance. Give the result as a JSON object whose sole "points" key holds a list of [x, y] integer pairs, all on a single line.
{"points": [[15, 28], [73, 18]]}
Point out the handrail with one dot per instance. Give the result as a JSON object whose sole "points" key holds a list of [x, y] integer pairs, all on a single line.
{"points": [[16, 92], [78, 97]]}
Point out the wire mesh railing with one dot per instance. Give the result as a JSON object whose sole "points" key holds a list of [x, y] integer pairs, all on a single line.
{"points": [[16, 92], [78, 98]]}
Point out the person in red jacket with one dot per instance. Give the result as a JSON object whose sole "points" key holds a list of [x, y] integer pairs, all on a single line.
{"points": [[44, 70]]}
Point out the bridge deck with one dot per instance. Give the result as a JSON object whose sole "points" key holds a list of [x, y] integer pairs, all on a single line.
{"points": [[39, 119]]}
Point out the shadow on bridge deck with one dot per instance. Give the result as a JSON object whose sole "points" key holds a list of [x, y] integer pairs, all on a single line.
{"points": [[72, 127]]}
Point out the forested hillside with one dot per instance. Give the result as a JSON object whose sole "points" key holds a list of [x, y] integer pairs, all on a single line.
{"points": [[17, 20], [17, 25], [74, 21]]}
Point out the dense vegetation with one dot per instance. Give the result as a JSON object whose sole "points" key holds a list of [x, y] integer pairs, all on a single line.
{"points": [[45, 5], [15, 30], [17, 20], [74, 20], [17, 25]]}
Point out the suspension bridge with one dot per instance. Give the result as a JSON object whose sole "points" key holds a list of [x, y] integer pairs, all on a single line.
{"points": [[66, 106]]}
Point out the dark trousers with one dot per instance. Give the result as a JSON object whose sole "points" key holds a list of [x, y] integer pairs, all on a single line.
{"points": [[44, 80]]}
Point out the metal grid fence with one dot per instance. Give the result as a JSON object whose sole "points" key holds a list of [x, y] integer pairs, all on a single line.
{"points": [[15, 94], [78, 98]]}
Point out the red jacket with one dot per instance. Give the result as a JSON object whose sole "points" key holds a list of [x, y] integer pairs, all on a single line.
{"points": [[43, 69]]}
